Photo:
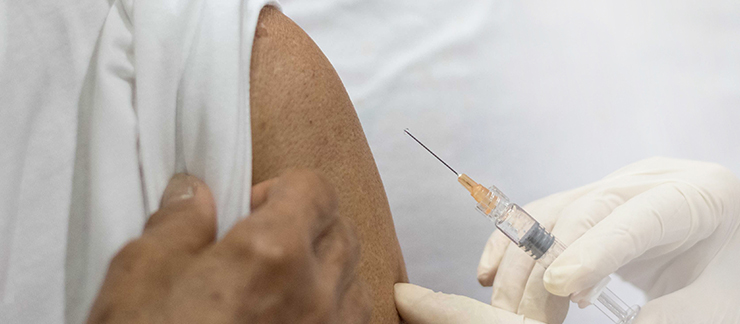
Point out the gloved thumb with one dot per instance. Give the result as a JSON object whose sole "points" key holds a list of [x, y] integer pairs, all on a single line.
{"points": [[659, 220], [418, 305]]}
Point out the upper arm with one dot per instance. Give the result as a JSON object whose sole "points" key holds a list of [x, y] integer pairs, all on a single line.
{"points": [[301, 116]]}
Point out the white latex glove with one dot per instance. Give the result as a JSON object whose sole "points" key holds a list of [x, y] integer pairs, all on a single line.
{"points": [[669, 226], [418, 305]]}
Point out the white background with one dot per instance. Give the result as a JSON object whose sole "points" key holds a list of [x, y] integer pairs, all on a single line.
{"points": [[532, 96]]}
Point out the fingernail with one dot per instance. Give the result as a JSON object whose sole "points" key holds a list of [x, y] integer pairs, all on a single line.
{"points": [[181, 187]]}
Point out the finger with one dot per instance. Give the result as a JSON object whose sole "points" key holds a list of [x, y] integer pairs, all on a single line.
{"points": [[186, 219], [545, 210], [574, 220], [658, 221], [654, 166], [418, 305], [585, 212], [491, 257], [537, 303], [298, 199], [259, 193], [293, 209], [516, 266], [299, 207], [511, 279]]}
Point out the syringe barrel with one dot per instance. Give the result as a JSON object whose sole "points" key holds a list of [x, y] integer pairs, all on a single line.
{"points": [[521, 228]]}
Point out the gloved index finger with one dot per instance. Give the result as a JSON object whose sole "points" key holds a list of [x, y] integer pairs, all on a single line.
{"points": [[660, 218]]}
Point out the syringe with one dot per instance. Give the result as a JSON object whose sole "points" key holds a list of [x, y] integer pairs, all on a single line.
{"points": [[522, 229]]}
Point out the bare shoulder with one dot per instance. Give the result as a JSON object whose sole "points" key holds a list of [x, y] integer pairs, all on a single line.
{"points": [[301, 116], [298, 101], [289, 69]]}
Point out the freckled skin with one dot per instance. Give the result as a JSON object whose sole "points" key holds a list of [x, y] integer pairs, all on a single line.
{"points": [[302, 116]]}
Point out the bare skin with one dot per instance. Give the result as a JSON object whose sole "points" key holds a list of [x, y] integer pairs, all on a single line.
{"points": [[315, 249], [303, 117], [292, 261]]}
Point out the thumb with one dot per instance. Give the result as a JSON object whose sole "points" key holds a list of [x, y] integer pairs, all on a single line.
{"points": [[186, 219], [657, 221], [418, 305]]}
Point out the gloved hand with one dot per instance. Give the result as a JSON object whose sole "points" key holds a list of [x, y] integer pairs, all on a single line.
{"points": [[668, 226], [418, 305]]}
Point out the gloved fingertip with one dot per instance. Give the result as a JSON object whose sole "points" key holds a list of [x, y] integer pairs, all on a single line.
{"points": [[558, 280], [418, 305], [491, 257], [408, 294], [485, 272], [485, 278], [414, 303]]}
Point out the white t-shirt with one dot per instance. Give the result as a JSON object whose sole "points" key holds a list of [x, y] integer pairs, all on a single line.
{"points": [[101, 104]]}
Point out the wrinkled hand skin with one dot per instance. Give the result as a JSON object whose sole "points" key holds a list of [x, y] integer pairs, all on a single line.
{"points": [[292, 260]]}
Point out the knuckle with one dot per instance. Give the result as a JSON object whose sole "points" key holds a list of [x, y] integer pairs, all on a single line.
{"points": [[272, 256], [267, 249], [275, 255], [137, 256], [239, 243]]}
